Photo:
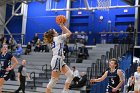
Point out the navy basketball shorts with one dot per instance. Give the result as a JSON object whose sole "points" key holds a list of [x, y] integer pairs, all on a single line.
{"points": [[4, 74]]}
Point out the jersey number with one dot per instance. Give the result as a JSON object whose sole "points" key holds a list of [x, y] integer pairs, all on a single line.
{"points": [[112, 81]]}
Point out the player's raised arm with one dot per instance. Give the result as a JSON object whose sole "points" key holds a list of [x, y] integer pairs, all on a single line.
{"points": [[61, 20], [65, 30]]}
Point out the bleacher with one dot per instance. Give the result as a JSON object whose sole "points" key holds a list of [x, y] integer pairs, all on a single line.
{"points": [[38, 64]]}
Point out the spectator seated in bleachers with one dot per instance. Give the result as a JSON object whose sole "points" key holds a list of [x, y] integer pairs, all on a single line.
{"points": [[38, 46], [116, 38], [28, 48], [44, 47], [129, 87], [81, 82], [5, 41], [83, 52], [130, 30], [76, 75], [71, 50], [35, 38], [12, 44], [77, 45], [19, 51], [130, 84], [66, 50]]}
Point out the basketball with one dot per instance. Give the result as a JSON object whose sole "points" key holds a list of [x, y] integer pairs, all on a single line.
{"points": [[61, 19]]}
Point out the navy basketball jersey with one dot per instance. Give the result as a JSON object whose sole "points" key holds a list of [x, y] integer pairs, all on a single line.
{"points": [[113, 80], [5, 61]]}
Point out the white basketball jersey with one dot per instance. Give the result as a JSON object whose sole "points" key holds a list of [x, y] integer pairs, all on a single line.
{"points": [[137, 77], [58, 44]]}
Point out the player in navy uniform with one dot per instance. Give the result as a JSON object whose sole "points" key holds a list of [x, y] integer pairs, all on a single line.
{"points": [[5, 65], [57, 64], [115, 77]]}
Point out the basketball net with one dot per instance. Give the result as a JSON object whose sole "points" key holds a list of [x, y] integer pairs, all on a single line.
{"points": [[104, 5]]}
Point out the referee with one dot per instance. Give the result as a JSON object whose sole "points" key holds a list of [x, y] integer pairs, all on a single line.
{"points": [[22, 73]]}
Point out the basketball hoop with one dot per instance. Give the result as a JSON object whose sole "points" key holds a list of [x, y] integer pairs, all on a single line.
{"points": [[104, 4]]}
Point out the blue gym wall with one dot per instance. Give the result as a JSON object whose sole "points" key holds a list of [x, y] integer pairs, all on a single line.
{"points": [[39, 20], [119, 19], [15, 24]]}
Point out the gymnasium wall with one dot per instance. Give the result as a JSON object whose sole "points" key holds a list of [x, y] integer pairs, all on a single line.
{"points": [[119, 19], [39, 20], [15, 24]]}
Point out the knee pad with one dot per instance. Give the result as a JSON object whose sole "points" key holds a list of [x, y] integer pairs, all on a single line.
{"points": [[70, 76], [52, 83]]}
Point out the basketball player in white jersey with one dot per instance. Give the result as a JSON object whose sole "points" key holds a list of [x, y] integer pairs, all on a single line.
{"points": [[137, 80], [57, 64]]}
